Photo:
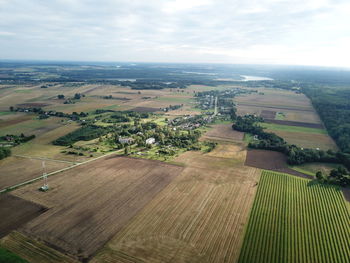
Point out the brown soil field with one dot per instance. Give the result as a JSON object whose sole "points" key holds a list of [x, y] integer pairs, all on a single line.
{"points": [[93, 202], [267, 114], [270, 160], [16, 212], [308, 140], [296, 123], [223, 132], [15, 170], [145, 109], [32, 105], [199, 217], [33, 250], [9, 120]]}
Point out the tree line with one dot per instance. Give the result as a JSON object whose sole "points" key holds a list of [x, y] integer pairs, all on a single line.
{"points": [[295, 155]]}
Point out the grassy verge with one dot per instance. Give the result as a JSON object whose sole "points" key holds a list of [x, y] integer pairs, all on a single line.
{"points": [[9, 257]]}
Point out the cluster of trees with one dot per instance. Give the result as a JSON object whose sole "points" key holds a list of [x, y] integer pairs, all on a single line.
{"points": [[339, 176], [125, 116], [46, 114], [295, 154], [333, 106], [4, 152], [152, 84], [172, 107], [85, 133], [17, 139]]}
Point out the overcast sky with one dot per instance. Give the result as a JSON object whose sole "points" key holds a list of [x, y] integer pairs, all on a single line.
{"points": [[304, 32]]}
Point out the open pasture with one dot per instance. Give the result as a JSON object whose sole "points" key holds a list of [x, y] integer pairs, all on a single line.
{"points": [[302, 136], [313, 168], [308, 140], [199, 217], [296, 220], [93, 202]]}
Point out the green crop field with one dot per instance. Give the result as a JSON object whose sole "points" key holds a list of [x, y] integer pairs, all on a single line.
{"points": [[279, 127], [296, 220], [8, 257]]}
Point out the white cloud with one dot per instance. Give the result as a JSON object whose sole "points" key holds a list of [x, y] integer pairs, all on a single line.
{"points": [[232, 31]]}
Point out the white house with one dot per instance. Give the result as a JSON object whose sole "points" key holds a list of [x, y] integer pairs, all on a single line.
{"points": [[125, 140], [150, 140]]}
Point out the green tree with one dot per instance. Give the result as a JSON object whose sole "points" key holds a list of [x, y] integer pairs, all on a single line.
{"points": [[319, 175]]}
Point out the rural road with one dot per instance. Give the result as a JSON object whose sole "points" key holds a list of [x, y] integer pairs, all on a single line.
{"points": [[216, 106], [55, 172]]}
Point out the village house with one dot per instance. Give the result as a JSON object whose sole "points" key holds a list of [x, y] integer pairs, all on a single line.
{"points": [[125, 140], [150, 140]]}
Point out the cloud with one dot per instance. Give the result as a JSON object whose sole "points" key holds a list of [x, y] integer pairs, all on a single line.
{"points": [[231, 31]]}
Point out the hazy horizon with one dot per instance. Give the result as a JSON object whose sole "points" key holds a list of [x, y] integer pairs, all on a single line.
{"points": [[267, 32]]}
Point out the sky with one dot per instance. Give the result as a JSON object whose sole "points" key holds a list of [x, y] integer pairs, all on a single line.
{"points": [[288, 32]]}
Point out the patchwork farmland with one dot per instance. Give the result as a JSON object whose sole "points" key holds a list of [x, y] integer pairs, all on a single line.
{"points": [[295, 220], [195, 194]]}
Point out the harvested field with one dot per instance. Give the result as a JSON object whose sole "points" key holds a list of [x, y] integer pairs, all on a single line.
{"points": [[199, 217], [93, 202], [145, 109], [223, 132], [229, 150], [33, 250], [270, 160], [15, 170], [267, 114], [15, 212], [296, 123], [275, 98]]}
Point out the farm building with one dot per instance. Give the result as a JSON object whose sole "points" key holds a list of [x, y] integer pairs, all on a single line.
{"points": [[126, 140], [150, 140]]}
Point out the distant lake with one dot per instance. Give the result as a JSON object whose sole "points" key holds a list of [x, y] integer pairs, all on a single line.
{"points": [[254, 78]]}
